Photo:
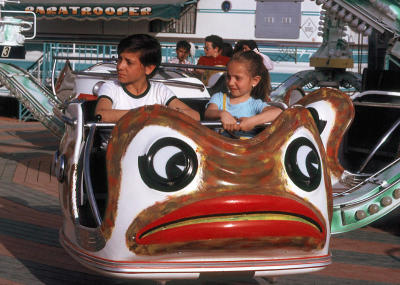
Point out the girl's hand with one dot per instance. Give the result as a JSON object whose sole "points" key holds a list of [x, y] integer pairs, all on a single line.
{"points": [[229, 123], [246, 124]]}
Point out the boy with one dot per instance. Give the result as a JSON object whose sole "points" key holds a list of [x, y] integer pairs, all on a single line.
{"points": [[139, 56], [182, 53]]}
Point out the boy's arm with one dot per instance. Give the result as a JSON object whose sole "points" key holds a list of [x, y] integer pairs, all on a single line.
{"points": [[104, 109], [178, 105], [268, 114]]}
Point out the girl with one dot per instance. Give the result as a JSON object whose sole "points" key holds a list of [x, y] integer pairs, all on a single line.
{"points": [[244, 106]]}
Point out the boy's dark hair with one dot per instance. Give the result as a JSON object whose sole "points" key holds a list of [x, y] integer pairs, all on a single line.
{"points": [[148, 46], [240, 44], [251, 44], [255, 66], [183, 44], [216, 41]]}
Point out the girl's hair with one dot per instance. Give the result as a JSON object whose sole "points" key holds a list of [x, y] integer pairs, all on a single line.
{"points": [[255, 66]]}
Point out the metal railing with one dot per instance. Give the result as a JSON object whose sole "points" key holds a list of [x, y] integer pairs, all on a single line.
{"points": [[85, 55], [82, 56]]}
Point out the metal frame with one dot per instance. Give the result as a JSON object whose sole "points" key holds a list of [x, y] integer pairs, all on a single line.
{"points": [[87, 178]]}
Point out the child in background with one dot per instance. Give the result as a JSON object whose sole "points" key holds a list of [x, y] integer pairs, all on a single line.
{"points": [[246, 45], [182, 53], [227, 50], [244, 106], [138, 58]]}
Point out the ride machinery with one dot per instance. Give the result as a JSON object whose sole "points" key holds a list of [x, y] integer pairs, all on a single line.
{"points": [[161, 196], [378, 20]]}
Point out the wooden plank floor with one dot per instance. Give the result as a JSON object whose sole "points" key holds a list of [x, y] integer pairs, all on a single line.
{"points": [[30, 218]]}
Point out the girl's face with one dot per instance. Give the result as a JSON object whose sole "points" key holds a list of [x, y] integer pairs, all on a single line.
{"points": [[239, 80], [130, 69]]}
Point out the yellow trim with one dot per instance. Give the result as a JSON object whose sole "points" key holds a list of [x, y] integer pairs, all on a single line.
{"points": [[224, 102], [332, 62], [232, 218]]}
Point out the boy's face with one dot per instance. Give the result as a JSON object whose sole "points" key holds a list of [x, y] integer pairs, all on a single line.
{"points": [[182, 54], [130, 69]]}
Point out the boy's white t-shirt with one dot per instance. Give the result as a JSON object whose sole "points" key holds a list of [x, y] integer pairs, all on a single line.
{"points": [[122, 99]]}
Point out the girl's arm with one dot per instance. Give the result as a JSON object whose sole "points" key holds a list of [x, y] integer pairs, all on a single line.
{"points": [[228, 121], [178, 105], [107, 113], [268, 114]]}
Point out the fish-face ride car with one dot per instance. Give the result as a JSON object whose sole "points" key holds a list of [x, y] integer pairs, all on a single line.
{"points": [[160, 196]]}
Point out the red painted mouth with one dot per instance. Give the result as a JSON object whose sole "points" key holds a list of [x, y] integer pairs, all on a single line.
{"points": [[235, 217]]}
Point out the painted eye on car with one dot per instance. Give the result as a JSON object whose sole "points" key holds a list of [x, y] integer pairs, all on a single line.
{"points": [[321, 124], [169, 165], [303, 164]]}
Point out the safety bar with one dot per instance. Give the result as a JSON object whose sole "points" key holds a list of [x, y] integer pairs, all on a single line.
{"points": [[377, 104], [163, 64], [374, 92], [209, 124], [178, 83], [379, 144]]}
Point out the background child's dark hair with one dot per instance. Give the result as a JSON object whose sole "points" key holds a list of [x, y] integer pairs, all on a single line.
{"points": [[240, 45], [251, 44], [183, 44], [227, 50], [148, 46], [255, 66]]}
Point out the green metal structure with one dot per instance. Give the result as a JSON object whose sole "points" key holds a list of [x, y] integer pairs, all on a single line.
{"points": [[372, 18]]}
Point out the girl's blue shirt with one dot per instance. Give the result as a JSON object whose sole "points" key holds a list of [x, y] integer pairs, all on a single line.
{"points": [[249, 108]]}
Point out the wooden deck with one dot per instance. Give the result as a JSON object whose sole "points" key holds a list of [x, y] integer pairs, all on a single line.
{"points": [[30, 218]]}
